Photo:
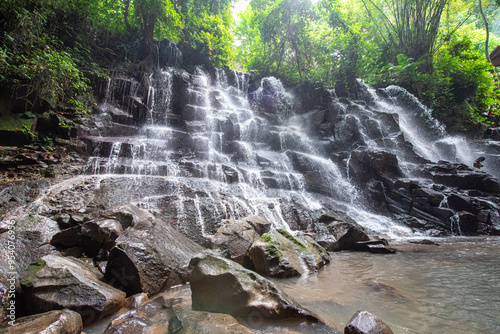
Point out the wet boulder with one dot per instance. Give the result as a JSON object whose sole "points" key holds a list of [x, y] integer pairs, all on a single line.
{"points": [[53, 322], [56, 282], [460, 202], [234, 239], [363, 322], [315, 171], [142, 318], [128, 215], [348, 134], [280, 254], [260, 224], [223, 286], [130, 323], [69, 237], [488, 222], [336, 231], [150, 256], [466, 223], [100, 234], [270, 98], [33, 230]]}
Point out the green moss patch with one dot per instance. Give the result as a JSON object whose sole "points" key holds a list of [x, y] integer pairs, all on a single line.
{"points": [[11, 123], [29, 274], [302, 247]]}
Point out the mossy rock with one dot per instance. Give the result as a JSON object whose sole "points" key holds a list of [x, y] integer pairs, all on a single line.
{"points": [[223, 286], [280, 254], [29, 274]]}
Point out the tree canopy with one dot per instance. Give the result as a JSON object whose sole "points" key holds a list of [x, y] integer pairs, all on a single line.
{"points": [[437, 49], [434, 48]]}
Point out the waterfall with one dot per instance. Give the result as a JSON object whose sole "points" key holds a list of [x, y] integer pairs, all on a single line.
{"points": [[202, 148], [426, 134]]}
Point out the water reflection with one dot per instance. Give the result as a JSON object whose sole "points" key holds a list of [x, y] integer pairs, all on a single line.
{"points": [[450, 288]]}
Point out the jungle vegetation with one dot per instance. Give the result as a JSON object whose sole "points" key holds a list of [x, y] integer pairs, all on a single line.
{"points": [[51, 50]]}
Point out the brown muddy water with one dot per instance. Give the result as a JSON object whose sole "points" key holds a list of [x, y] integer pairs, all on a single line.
{"points": [[452, 287]]}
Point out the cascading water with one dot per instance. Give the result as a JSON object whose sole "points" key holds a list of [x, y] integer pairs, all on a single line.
{"points": [[426, 134], [201, 148]]}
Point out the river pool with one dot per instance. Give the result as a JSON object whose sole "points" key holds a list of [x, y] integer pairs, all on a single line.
{"points": [[453, 287]]}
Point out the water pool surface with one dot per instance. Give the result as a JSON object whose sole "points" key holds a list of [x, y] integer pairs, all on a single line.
{"points": [[450, 288]]}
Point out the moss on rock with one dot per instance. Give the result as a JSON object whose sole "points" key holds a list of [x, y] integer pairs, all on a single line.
{"points": [[29, 274]]}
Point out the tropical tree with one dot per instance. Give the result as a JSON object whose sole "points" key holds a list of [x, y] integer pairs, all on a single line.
{"points": [[409, 27], [348, 53], [283, 45], [208, 29], [156, 16]]}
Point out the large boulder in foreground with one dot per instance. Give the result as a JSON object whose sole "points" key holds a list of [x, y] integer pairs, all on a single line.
{"points": [[222, 286], [143, 316], [280, 254], [233, 239], [56, 282], [363, 322], [150, 256], [171, 313], [52, 322]]}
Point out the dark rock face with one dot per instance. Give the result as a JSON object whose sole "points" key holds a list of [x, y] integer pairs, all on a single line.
{"points": [[150, 256], [270, 98], [442, 206], [54, 322], [280, 254], [367, 166], [215, 137], [364, 322], [56, 282], [463, 177], [222, 286]]}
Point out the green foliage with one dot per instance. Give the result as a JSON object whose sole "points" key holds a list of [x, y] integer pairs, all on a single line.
{"points": [[458, 90], [208, 29], [49, 48], [37, 64], [158, 18], [300, 245], [28, 132], [30, 272], [283, 46]]}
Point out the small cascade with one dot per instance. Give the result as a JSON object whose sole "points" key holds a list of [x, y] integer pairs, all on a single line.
{"points": [[444, 202], [427, 136], [455, 225]]}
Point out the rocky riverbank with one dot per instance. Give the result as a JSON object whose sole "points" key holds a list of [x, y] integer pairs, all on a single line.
{"points": [[75, 253]]}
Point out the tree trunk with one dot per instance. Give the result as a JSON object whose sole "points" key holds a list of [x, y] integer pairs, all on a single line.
{"points": [[486, 42], [125, 16]]}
